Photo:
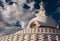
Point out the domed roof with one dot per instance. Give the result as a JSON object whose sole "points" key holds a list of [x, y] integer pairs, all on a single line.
{"points": [[42, 19]]}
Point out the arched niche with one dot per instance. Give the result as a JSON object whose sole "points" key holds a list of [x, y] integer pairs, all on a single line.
{"points": [[34, 24]]}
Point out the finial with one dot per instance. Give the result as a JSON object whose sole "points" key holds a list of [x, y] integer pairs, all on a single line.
{"points": [[42, 11]]}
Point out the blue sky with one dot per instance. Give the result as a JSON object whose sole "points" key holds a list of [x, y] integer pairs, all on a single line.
{"points": [[18, 13]]}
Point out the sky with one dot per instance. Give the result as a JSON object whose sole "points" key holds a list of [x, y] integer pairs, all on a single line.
{"points": [[16, 14]]}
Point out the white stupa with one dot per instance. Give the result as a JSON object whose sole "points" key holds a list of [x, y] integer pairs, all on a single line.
{"points": [[43, 19], [40, 28]]}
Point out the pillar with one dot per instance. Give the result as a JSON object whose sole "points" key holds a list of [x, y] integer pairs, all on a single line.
{"points": [[57, 38], [3, 39], [6, 38], [49, 38], [20, 38], [15, 38], [40, 37], [11, 38], [33, 37]]}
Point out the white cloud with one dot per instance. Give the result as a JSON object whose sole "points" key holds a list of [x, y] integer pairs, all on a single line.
{"points": [[13, 13], [31, 5]]}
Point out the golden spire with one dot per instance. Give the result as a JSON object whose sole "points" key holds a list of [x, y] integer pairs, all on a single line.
{"points": [[42, 11]]}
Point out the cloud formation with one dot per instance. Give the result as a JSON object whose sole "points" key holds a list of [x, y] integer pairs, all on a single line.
{"points": [[13, 12]]}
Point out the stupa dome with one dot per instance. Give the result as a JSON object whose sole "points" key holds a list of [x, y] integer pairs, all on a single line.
{"points": [[42, 19]]}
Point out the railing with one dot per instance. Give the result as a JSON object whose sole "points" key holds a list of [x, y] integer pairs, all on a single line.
{"points": [[39, 30]]}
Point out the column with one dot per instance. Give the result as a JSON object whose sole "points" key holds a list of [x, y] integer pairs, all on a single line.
{"points": [[24, 31], [30, 30], [39, 30], [51, 30], [33, 37], [43, 30], [40, 37], [55, 31], [49, 38], [3, 38], [48, 30], [0, 38], [57, 38], [6, 38], [36, 30], [33, 30], [11, 38], [26, 37], [15, 38], [20, 38]]}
